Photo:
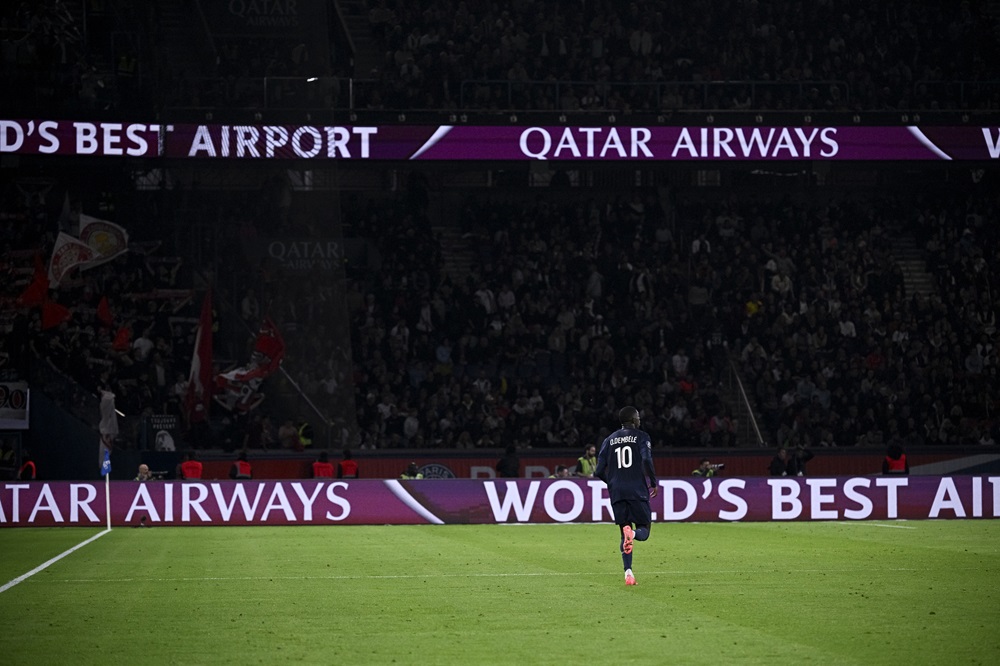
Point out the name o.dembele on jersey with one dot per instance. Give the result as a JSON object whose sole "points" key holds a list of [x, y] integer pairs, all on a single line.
{"points": [[625, 464]]}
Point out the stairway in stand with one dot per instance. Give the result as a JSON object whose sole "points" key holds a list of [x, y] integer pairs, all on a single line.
{"points": [[910, 259], [457, 255], [185, 46], [367, 54]]}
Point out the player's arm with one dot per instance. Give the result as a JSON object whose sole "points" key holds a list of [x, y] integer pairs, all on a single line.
{"points": [[602, 463], [646, 453]]}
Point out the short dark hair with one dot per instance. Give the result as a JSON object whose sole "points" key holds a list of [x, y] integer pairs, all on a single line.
{"points": [[628, 413]]}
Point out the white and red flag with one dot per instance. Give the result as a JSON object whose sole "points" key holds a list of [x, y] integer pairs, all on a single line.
{"points": [[68, 253], [106, 239], [238, 390]]}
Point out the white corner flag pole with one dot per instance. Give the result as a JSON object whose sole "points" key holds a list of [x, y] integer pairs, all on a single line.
{"points": [[107, 498]]}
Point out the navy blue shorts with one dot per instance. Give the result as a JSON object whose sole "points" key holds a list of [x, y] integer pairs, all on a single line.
{"points": [[631, 511]]}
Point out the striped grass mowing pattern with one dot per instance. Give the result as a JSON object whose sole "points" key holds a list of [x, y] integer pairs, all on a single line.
{"points": [[769, 593]]}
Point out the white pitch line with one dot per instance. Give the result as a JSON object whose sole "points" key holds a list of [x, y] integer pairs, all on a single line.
{"points": [[896, 527], [40, 567], [197, 579]]}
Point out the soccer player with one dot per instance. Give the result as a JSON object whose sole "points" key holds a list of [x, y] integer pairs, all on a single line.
{"points": [[625, 464]]}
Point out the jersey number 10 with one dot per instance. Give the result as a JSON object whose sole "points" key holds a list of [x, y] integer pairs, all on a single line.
{"points": [[624, 455]]}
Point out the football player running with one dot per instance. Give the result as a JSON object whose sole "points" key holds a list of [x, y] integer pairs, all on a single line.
{"points": [[625, 464]]}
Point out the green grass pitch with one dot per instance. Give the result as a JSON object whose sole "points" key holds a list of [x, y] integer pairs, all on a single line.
{"points": [[748, 593]]}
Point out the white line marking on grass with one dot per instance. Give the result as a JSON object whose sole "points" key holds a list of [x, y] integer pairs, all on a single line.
{"points": [[868, 524], [676, 572], [55, 559]]}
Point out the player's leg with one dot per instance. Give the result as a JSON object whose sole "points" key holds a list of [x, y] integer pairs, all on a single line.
{"points": [[628, 535], [639, 514], [624, 522], [626, 549], [623, 517], [643, 519]]}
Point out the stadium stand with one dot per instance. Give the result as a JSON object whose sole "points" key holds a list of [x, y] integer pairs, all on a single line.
{"points": [[655, 55], [524, 311]]}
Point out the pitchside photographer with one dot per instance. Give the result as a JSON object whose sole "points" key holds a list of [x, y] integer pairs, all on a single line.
{"points": [[146, 474], [706, 469]]}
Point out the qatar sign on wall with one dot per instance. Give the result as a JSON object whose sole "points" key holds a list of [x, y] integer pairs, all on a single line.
{"points": [[469, 501], [498, 142]]}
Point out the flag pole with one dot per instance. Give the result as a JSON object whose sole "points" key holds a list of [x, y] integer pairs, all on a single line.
{"points": [[107, 498]]}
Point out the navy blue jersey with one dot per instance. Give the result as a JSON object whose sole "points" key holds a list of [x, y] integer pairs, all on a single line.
{"points": [[625, 463]]}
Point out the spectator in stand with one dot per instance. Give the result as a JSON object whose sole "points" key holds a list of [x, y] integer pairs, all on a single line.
{"points": [[797, 461], [288, 435], [586, 464], [347, 468], [705, 469], [562, 472], [322, 468], [412, 472], [304, 435], [6, 460], [144, 474], [241, 468], [250, 309], [895, 462], [779, 463], [254, 437], [509, 465], [28, 471], [190, 468]]}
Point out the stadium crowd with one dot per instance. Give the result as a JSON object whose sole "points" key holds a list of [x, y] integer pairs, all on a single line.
{"points": [[575, 303], [552, 55], [851, 55], [858, 56], [124, 326]]}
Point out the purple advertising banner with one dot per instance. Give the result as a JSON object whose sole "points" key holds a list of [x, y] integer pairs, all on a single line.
{"points": [[470, 501], [498, 142]]}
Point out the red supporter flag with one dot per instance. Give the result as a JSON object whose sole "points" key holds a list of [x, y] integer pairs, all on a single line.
{"points": [[238, 389], [104, 312], [54, 314], [270, 344], [123, 339], [38, 291]]}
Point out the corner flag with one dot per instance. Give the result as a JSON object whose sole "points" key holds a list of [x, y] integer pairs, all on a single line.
{"points": [[106, 465]]}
